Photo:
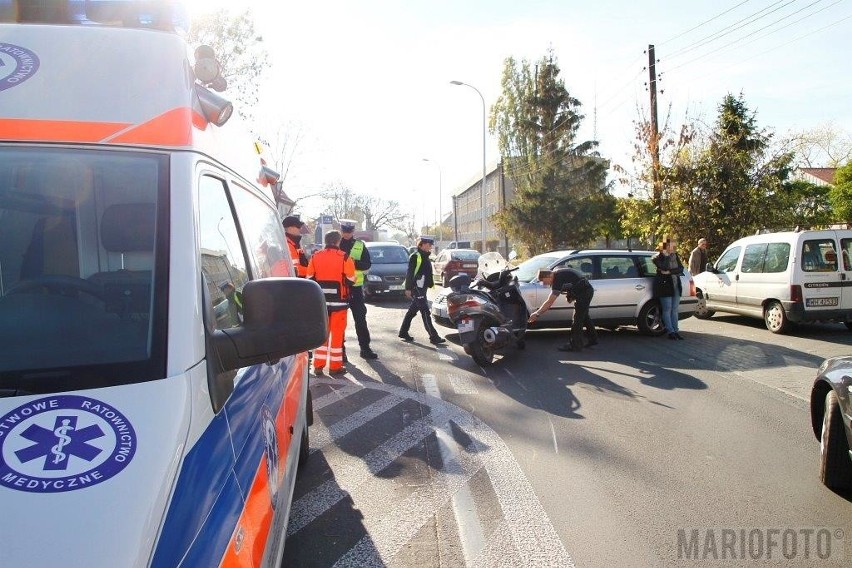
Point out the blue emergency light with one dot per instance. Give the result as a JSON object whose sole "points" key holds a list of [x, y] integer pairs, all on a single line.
{"points": [[164, 15]]}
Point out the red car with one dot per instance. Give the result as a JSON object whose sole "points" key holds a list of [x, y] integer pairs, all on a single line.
{"points": [[450, 262]]}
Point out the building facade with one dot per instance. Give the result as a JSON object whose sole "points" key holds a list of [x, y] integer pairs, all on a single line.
{"points": [[471, 219]]}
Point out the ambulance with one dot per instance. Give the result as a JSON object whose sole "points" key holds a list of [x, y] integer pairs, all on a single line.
{"points": [[154, 400]]}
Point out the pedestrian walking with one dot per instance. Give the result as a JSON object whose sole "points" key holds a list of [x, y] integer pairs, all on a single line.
{"points": [[578, 290], [667, 286], [293, 229], [698, 258], [333, 271], [417, 281], [360, 255]]}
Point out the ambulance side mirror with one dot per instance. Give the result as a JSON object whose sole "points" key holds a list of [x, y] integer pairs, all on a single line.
{"points": [[281, 317]]}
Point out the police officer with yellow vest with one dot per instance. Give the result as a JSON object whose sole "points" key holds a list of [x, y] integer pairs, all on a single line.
{"points": [[357, 251], [418, 280]]}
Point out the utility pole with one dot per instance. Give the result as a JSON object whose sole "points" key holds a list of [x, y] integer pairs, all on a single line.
{"points": [[654, 135]]}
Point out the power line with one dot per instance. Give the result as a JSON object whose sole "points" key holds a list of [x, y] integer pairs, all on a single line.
{"points": [[750, 19], [729, 44], [704, 22]]}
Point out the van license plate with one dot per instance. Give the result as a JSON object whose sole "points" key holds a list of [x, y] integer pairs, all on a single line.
{"points": [[820, 302]]}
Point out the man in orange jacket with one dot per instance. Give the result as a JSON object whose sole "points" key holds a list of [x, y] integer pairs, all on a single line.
{"points": [[334, 271], [293, 228]]}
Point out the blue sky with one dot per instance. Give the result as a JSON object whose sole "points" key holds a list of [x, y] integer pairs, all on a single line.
{"points": [[368, 82]]}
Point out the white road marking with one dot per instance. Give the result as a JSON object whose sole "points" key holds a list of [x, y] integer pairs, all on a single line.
{"points": [[447, 355], [525, 538], [553, 433], [464, 508], [322, 435], [333, 396]]}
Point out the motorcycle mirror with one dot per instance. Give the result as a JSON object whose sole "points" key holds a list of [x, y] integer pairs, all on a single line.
{"points": [[513, 255]]}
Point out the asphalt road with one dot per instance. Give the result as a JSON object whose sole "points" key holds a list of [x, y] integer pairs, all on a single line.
{"points": [[617, 456]]}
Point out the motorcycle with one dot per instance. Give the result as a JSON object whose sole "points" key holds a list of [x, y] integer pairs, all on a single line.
{"points": [[489, 313]]}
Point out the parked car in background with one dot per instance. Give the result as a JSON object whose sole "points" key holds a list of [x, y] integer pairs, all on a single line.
{"points": [[623, 282], [450, 262], [831, 406], [387, 273], [784, 278]]}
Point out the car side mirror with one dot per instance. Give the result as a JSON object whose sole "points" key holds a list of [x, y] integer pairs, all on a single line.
{"points": [[711, 268], [281, 317]]}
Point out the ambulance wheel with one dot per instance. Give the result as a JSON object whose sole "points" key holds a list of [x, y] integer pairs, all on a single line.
{"points": [[305, 447], [775, 318]]}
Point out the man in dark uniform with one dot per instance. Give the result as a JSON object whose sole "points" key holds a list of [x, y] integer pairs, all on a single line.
{"points": [[577, 289], [417, 281], [358, 252]]}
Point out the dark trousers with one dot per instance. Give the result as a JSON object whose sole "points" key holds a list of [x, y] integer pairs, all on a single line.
{"points": [[419, 304], [359, 314], [581, 320]]}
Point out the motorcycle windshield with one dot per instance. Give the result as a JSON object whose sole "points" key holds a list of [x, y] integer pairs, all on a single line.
{"points": [[491, 263]]}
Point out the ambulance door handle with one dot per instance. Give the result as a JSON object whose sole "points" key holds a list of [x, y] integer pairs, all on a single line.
{"points": [[291, 430], [843, 276], [737, 277]]}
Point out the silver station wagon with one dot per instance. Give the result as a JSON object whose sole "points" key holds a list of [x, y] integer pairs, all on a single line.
{"points": [[623, 282]]}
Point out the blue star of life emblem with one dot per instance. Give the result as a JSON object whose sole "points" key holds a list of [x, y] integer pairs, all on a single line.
{"points": [[63, 443]]}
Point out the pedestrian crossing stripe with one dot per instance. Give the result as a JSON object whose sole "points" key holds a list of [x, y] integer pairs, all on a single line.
{"points": [[524, 534]]}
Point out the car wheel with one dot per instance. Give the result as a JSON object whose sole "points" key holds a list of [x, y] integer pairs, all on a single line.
{"points": [[701, 311], [775, 318], [835, 467], [651, 319]]}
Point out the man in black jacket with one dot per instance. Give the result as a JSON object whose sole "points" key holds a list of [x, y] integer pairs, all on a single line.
{"points": [[417, 281], [358, 252], [577, 288]]}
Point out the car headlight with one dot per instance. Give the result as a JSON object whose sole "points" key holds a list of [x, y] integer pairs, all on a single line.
{"points": [[373, 278]]}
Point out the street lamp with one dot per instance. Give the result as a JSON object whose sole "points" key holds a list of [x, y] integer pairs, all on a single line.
{"points": [[440, 214], [484, 125]]}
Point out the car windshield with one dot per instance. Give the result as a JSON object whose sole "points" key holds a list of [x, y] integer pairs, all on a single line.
{"points": [[79, 267], [390, 254], [528, 269], [465, 255]]}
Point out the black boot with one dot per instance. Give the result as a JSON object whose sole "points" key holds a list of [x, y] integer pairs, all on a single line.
{"points": [[406, 324], [434, 338]]}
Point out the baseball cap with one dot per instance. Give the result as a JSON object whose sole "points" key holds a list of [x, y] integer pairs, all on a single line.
{"points": [[293, 221]]}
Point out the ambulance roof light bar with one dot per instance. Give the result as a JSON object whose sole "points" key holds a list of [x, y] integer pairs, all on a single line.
{"points": [[164, 15]]}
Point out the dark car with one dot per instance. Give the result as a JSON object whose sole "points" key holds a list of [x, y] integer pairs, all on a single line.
{"points": [[831, 409], [450, 262], [387, 273]]}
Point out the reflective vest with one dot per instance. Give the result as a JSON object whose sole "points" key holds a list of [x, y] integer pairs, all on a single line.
{"points": [[355, 253], [330, 268], [296, 255]]}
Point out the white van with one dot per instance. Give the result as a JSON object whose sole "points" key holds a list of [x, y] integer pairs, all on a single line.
{"points": [[153, 369], [783, 278]]}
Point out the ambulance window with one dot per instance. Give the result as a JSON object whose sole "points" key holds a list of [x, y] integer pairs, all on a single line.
{"points": [[264, 234], [222, 260]]}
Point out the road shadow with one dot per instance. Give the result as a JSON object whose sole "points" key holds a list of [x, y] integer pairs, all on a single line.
{"points": [[322, 536], [836, 333]]}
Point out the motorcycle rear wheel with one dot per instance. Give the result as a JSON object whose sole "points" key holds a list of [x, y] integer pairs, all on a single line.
{"points": [[482, 354]]}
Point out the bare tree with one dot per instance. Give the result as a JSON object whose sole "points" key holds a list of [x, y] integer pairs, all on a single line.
{"points": [[823, 146], [379, 213]]}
